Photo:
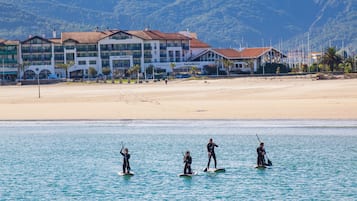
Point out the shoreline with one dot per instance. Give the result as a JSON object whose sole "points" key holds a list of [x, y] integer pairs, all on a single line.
{"points": [[162, 120]]}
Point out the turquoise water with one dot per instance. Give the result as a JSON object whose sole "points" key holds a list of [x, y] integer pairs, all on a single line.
{"points": [[80, 160]]}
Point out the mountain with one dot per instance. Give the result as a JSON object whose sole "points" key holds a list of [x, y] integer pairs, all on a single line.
{"points": [[221, 23]]}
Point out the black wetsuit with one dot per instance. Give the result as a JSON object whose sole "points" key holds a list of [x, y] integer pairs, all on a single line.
{"points": [[187, 160], [210, 150], [261, 156], [126, 165]]}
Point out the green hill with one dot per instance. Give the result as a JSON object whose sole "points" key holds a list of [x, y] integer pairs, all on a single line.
{"points": [[222, 23]]}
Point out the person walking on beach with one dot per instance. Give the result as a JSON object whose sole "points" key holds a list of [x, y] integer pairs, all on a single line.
{"points": [[126, 157], [187, 159], [211, 154], [261, 155]]}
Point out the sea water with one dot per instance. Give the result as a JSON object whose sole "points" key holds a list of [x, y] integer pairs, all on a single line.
{"points": [[80, 160]]}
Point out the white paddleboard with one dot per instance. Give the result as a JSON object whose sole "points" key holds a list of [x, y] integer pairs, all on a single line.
{"points": [[261, 167], [187, 175], [126, 174], [216, 170]]}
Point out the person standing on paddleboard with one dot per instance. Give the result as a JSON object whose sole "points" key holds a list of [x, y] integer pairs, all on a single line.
{"points": [[187, 159], [126, 157], [261, 155], [211, 154]]}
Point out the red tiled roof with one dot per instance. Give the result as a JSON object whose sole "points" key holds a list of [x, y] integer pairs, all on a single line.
{"points": [[157, 35], [253, 52], [84, 37], [9, 42], [55, 40], [228, 52], [195, 43]]}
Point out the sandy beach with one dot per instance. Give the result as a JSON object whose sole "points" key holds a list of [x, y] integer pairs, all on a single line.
{"points": [[239, 98]]}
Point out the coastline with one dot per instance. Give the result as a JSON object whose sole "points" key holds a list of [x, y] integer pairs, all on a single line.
{"points": [[223, 99]]}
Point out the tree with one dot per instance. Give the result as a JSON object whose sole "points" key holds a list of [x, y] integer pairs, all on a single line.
{"points": [[135, 70], [194, 70], [65, 66], [352, 62], [92, 71], [106, 71], [150, 70], [173, 65], [227, 64], [347, 68], [331, 58]]}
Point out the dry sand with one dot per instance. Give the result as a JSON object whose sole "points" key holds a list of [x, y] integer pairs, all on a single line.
{"points": [[240, 98]]}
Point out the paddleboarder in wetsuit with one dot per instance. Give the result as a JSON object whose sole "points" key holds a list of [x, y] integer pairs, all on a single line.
{"points": [[126, 157], [261, 155], [187, 159], [211, 154]]}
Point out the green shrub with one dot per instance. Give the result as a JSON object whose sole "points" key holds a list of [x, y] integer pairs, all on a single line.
{"points": [[271, 68]]}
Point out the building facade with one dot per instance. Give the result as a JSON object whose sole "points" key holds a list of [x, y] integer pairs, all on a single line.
{"points": [[241, 61], [9, 59], [76, 54]]}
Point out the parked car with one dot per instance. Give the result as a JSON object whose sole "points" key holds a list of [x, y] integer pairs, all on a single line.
{"points": [[181, 76]]}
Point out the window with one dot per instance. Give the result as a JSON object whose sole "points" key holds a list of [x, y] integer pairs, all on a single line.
{"points": [[93, 62], [82, 62]]}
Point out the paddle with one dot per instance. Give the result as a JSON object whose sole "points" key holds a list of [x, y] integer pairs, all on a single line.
{"points": [[269, 161]]}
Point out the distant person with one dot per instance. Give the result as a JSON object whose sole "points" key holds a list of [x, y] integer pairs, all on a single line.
{"points": [[261, 155], [166, 81], [126, 157], [187, 159], [211, 154]]}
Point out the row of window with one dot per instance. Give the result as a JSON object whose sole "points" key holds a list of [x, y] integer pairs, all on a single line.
{"points": [[91, 62], [8, 48], [8, 61], [37, 57], [36, 49], [135, 54], [111, 47], [8, 56], [121, 63], [93, 54], [37, 62]]}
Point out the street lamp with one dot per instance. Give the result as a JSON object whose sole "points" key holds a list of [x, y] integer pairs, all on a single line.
{"points": [[38, 82]]}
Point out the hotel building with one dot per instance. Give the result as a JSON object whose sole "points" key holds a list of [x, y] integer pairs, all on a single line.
{"points": [[73, 53]]}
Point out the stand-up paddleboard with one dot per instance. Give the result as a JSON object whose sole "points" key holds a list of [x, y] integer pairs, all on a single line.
{"points": [[260, 166], [126, 174], [216, 170], [187, 175]]}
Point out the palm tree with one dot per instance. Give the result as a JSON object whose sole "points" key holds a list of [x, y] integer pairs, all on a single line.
{"points": [[92, 71], [173, 65], [194, 71], [66, 66], [331, 59], [135, 69], [227, 64]]}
